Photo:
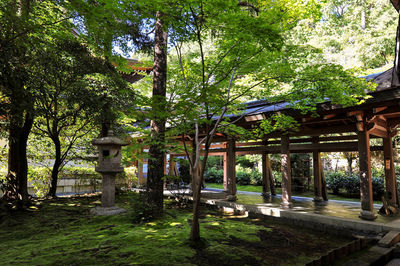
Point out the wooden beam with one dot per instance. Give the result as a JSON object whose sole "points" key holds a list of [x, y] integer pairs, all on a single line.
{"points": [[325, 117], [297, 148], [379, 109], [318, 131]]}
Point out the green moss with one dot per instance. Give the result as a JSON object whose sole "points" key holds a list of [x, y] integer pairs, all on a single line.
{"points": [[63, 232]]}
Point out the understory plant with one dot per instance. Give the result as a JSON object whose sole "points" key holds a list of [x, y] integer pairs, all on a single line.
{"points": [[340, 181]]}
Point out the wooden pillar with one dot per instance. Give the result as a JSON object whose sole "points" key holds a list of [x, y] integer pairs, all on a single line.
{"points": [[317, 165], [390, 176], [286, 175], [265, 175], [225, 169], [172, 171], [271, 178], [229, 169], [323, 185], [165, 170], [367, 208], [140, 173]]}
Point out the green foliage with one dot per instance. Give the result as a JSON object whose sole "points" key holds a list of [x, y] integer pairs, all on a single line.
{"points": [[378, 172], [184, 170], [215, 161], [248, 161], [143, 212], [214, 175], [353, 34], [129, 177], [337, 181], [40, 178], [247, 176]]}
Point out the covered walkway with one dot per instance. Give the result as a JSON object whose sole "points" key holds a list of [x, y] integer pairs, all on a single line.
{"points": [[330, 215]]}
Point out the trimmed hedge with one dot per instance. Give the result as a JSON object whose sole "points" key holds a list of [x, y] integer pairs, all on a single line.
{"points": [[244, 176], [214, 175], [339, 181]]}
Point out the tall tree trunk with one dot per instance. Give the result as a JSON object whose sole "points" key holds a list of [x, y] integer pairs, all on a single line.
{"points": [[157, 125], [56, 168], [17, 176]]}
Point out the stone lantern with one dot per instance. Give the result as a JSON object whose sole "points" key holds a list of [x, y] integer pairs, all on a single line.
{"points": [[109, 165]]}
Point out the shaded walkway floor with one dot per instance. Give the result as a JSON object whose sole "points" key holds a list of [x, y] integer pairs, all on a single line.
{"points": [[336, 208]]}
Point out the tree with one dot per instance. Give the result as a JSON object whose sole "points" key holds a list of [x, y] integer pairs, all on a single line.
{"points": [[128, 21], [238, 52], [354, 34], [44, 62], [154, 187], [67, 103], [27, 27]]}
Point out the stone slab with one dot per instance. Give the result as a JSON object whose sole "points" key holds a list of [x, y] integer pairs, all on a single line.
{"points": [[393, 262], [390, 239], [107, 211], [305, 219]]}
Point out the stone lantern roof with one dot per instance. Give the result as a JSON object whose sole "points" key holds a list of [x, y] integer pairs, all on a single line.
{"points": [[109, 140]]}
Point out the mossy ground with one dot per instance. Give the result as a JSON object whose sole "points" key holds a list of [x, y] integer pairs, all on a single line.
{"points": [[63, 232]]}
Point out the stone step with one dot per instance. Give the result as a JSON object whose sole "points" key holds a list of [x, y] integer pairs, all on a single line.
{"points": [[390, 239], [393, 262]]}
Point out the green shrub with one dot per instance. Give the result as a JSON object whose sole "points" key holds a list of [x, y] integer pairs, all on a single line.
{"points": [[243, 178], [247, 176], [79, 172], [214, 175], [184, 170], [40, 178], [335, 181], [378, 172], [352, 185], [378, 187], [256, 178], [129, 177], [277, 175], [339, 180]]}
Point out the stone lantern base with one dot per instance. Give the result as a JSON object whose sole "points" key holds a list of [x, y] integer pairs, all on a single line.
{"points": [[107, 211]]}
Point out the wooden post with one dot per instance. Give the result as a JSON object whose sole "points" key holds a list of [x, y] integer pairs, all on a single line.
{"points": [[265, 175], [165, 170], [229, 169], [323, 185], [367, 208], [271, 178], [140, 173], [225, 169], [286, 176], [390, 176], [317, 172], [172, 171]]}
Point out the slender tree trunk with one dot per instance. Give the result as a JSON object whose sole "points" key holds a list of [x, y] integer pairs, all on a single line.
{"points": [[197, 182], [56, 168], [195, 229], [350, 165], [156, 162]]}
